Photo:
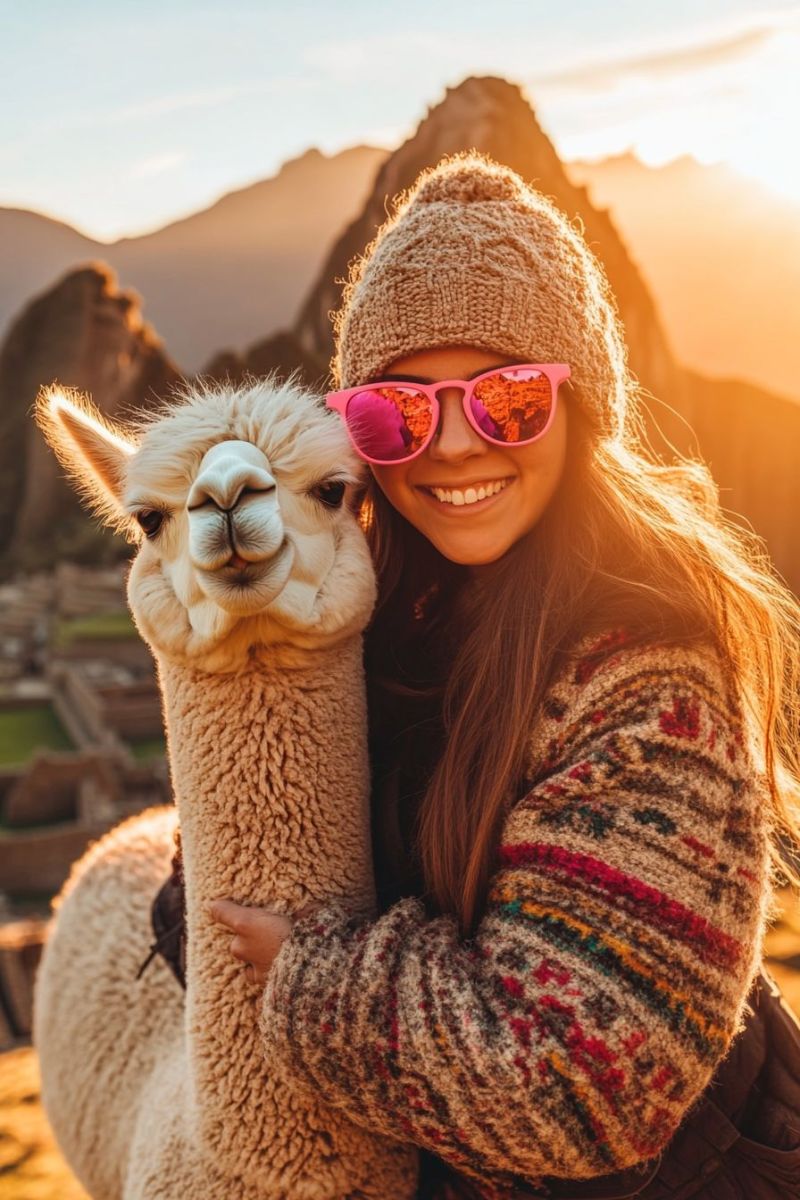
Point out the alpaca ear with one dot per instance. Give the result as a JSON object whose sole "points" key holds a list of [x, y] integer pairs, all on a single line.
{"points": [[92, 449]]}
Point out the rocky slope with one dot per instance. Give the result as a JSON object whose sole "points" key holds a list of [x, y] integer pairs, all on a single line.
{"points": [[84, 333]]}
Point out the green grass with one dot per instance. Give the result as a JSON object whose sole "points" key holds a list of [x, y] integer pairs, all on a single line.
{"points": [[143, 749], [25, 730], [111, 625]]}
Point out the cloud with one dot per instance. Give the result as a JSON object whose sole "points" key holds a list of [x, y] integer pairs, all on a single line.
{"points": [[157, 164], [665, 64], [157, 106], [706, 53]]}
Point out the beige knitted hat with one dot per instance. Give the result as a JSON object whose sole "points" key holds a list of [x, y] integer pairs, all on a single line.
{"points": [[473, 256]]}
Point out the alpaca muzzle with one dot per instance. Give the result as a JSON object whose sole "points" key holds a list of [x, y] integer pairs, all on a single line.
{"points": [[229, 471], [234, 516]]}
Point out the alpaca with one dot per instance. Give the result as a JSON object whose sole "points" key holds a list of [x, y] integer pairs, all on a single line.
{"points": [[252, 586]]}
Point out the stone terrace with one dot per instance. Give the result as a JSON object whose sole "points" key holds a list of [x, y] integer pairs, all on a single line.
{"points": [[81, 748]]}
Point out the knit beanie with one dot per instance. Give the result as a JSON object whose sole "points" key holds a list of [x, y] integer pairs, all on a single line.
{"points": [[474, 256]]}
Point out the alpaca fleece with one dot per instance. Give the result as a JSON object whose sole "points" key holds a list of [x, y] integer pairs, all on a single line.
{"points": [[610, 969], [267, 801], [474, 256]]}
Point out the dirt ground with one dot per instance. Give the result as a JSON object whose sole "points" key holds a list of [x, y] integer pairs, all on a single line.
{"points": [[31, 1167]]}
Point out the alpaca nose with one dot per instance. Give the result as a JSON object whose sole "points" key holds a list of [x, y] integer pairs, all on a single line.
{"points": [[227, 472]]}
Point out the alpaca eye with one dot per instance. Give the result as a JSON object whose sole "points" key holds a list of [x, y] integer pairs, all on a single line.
{"points": [[331, 494], [150, 520]]}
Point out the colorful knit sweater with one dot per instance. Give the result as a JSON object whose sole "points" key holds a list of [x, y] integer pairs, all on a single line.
{"points": [[610, 969]]}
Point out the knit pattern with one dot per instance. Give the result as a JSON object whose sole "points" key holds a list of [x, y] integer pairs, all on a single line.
{"points": [[610, 970], [472, 255]]}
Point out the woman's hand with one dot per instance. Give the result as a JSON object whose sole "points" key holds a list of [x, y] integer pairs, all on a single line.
{"points": [[259, 934]]}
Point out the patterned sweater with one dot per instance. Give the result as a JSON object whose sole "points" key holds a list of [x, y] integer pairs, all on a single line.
{"points": [[610, 968]]}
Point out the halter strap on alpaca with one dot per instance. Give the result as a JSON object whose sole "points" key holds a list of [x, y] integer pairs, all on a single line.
{"points": [[168, 919]]}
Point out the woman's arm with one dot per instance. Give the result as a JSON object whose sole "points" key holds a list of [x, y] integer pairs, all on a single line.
{"points": [[609, 973]]}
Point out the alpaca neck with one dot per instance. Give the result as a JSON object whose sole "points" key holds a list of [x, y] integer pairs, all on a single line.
{"points": [[270, 773]]}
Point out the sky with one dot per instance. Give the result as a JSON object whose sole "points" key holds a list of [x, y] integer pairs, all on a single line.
{"points": [[120, 117]]}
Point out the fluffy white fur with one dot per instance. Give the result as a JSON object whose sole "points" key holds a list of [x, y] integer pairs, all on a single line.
{"points": [[154, 1095]]}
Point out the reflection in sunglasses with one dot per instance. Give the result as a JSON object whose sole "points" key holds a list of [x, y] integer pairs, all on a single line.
{"points": [[518, 408], [389, 423]]}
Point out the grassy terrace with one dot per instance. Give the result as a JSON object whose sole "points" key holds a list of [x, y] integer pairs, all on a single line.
{"points": [[112, 625], [24, 730]]}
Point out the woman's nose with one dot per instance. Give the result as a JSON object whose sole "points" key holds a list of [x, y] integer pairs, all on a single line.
{"points": [[454, 438]]}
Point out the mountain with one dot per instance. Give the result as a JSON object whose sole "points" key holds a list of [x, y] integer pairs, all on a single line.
{"points": [[36, 250], [279, 354], [86, 333], [238, 271], [751, 439], [719, 254], [722, 256], [223, 277], [493, 116]]}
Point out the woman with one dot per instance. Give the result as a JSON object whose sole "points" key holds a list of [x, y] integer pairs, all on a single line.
{"points": [[581, 683]]}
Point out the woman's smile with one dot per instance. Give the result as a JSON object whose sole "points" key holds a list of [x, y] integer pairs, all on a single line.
{"points": [[465, 499]]}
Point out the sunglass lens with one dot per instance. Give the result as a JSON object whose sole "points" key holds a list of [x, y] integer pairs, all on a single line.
{"points": [[512, 405], [389, 423]]}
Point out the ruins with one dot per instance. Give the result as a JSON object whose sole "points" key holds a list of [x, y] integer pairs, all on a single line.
{"points": [[81, 747]]}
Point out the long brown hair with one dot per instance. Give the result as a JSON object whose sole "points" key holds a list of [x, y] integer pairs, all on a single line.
{"points": [[624, 540]]}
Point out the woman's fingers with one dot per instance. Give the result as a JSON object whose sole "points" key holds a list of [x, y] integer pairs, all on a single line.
{"points": [[238, 917], [254, 972], [259, 933], [241, 950]]}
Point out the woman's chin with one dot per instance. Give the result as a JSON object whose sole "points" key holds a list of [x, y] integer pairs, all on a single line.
{"points": [[470, 552]]}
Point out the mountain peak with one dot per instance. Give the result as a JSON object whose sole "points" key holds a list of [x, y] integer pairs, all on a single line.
{"points": [[493, 116]]}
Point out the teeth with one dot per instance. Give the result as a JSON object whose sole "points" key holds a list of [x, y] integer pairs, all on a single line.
{"points": [[471, 495]]}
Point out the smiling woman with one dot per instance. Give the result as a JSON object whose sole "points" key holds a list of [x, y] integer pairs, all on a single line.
{"points": [[471, 497]]}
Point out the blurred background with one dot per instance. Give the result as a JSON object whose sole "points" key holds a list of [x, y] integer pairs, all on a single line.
{"points": [[182, 187]]}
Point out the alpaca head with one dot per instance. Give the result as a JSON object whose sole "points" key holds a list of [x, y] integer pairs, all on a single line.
{"points": [[240, 500]]}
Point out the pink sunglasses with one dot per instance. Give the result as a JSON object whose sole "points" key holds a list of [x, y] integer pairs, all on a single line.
{"points": [[392, 423]]}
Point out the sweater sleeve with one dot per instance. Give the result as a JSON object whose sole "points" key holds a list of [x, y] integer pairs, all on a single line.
{"points": [[610, 970]]}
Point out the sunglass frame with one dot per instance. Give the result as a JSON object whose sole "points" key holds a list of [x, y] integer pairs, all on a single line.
{"points": [[556, 373]]}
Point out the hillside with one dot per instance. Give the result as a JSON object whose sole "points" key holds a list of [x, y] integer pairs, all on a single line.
{"points": [[722, 257], [222, 277]]}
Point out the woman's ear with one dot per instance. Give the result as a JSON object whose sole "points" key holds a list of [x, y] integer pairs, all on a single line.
{"points": [[93, 450]]}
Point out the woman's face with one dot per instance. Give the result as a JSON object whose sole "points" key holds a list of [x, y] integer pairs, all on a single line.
{"points": [[458, 457]]}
